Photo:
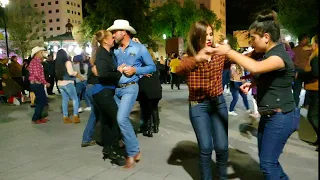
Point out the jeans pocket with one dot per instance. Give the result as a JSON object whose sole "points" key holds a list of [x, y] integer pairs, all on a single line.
{"points": [[194, 109]]}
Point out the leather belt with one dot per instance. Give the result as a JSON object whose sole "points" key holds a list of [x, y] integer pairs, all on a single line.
{"points": [[125, 85], [270, 112]]}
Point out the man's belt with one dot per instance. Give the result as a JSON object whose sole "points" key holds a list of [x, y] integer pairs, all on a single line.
{"points": [[125, 85], [269, 112], [35, 82]]}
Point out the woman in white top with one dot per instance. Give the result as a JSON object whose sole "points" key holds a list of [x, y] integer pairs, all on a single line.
{"points": [[237, 72], [82, 69], [66, 77]]}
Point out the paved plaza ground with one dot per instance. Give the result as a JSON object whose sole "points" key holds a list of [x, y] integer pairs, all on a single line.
{"points": [[52, 151]]}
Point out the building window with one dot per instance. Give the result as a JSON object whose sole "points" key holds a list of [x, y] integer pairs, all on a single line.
{"points": [[78, 5], [51, 29], [202, 6], [68, 11], [42, 12], [43, 21], [44, 37], [71, 3], [37, 30], [57, 2], [50, 11], [49, 3], [78, 13], [50, 20], [72, 21], [68, 2], [57, 20], [57, 10], [79, 22], [42, 4], [35, 5], [58, 28], [71, 12], [38, 38], [44, 29]]}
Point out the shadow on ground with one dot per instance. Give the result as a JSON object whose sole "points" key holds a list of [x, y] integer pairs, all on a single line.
{"points": [[186, 154]]}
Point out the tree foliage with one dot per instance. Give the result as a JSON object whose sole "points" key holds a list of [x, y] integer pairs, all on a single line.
{"points": [[102, 14], [24, 25], [175, 20], [299, 16]]}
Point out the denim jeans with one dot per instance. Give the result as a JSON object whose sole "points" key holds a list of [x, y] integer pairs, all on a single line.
{"points": [[125, 98], [235, 91], [225, 77], [273, 133], [69, 91], [81, 92], [41, 100], [89, 130], [210, 123]]}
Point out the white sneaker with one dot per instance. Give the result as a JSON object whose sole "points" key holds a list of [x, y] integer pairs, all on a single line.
{"points": [[16, 102], [80, 110], [232, 113], [248, 111], [87, 109]]}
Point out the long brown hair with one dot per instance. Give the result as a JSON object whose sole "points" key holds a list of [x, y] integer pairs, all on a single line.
{"points": [[96, 41], [197, 37]]}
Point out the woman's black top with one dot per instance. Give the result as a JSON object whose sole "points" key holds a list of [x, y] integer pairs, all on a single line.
{"points": [[275, 88]]}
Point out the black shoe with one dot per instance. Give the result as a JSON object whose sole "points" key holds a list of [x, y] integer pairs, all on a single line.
{"points": [[114, 155], [32, 106], [148, 131], [156, 120]]}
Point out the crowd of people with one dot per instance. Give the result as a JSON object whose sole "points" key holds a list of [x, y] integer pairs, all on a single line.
{"points": [[116, 76]]}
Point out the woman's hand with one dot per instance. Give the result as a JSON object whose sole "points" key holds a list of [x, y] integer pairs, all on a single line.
{"points": [[221, 49], [204, 54], [245, 88], [121, 67], [94, 70], [136, 40]]}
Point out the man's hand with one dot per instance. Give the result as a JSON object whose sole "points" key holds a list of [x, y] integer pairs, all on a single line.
{"points": [[94, 70], [120, 68], [245, 88], [129, 70], [148, 75], [48, 85]]}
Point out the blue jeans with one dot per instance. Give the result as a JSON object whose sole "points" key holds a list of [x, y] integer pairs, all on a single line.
{"points": [[210, 123], [41, 100], [235, 91], [81, 92], [88, 131], [273, 134], [125, 99], [225, 77], [69, 91]]}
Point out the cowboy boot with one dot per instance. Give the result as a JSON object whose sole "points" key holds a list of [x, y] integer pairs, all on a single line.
{"points": [[156, 120]]}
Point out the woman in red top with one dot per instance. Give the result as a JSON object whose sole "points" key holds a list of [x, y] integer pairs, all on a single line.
{"points": [[207, 106]]}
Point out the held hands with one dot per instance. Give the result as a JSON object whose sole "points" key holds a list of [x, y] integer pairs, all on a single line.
{"points": [[148, 75], [129, 70], [121, 67], [245, 88], [206, 53]]}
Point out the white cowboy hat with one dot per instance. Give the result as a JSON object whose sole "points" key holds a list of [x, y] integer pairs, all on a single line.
{"points": [[121, 24], [36, 49]]}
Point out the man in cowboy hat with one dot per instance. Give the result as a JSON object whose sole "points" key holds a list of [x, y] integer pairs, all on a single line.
{"points": [[37, 83], [138, 62]]}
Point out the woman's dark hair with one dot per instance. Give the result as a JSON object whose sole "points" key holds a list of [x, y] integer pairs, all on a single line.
{"points": [[197, 37], [60, 64], [13, 57], [266, 22]]}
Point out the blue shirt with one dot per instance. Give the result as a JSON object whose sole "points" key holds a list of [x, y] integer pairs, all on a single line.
{"points": [[99, 87], [136, 55]]}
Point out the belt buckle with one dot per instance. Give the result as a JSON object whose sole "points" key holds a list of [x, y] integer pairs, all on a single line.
{"points": [[193, 103]]}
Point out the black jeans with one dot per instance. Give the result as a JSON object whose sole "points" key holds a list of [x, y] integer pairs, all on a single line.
{"points": [[147, 106], [41, 100], [175, 80], [297, 86], [313, 111], [51, 81], [107, 109]]}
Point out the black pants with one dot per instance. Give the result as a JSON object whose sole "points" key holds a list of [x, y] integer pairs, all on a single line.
{"points": [[147, 106], [51, 81], [313, 111], [175, 80], [107, 109], [297, 86], [41, 100]]}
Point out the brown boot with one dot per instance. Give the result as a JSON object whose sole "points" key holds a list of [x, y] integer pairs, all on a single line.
{"points": [[66, 120], [76, 119]]}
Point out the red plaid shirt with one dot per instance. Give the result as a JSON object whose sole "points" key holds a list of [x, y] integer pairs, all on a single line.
{"points": [[204, 79], [36, 73]]}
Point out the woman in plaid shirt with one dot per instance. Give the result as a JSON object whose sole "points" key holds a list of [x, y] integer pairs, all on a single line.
{"points": [[207, 106]]}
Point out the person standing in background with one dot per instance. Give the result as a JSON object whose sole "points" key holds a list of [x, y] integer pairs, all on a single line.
{"points": [[175, 62], [49, 72]]}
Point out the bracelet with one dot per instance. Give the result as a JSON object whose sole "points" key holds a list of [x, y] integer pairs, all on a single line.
{"points": [[228, 51]]}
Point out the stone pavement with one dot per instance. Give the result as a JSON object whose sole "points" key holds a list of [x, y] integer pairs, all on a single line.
{"points": [[52, 150]]}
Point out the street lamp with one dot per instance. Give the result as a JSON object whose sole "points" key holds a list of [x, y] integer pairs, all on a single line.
{"points": [[3, 4], [164, 36]]}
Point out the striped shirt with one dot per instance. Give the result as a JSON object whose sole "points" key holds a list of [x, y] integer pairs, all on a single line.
{"points": [[204, 79]]}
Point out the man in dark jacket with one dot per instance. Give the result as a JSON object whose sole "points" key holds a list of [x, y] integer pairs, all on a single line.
{"points": [[49, 72]]}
